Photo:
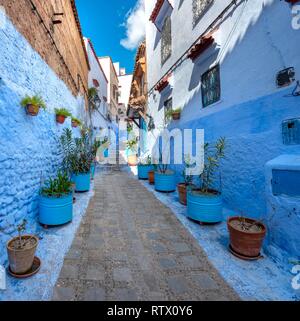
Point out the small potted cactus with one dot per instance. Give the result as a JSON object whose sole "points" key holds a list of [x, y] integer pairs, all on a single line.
{"points": [[32, 104], [21, 251], [61, 115]]}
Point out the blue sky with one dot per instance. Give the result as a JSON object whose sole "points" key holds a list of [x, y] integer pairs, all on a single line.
{"points": [[108, 23]]}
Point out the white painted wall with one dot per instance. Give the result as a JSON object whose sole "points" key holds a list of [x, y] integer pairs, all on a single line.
{"points": [[255, 41], [124, 87], [96, 72]]}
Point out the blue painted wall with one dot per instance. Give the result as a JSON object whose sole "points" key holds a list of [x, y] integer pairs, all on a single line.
{"points": [[28, 145]]}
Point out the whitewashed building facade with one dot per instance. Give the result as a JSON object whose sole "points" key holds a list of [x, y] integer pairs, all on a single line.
{"points": [[233, 67]]}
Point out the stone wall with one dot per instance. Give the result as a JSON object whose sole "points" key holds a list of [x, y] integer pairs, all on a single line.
{"points": [[28, 145], [73, 68]]}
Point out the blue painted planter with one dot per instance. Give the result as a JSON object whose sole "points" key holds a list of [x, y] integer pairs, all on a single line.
{"points": [[55, 211], [143, 171], [204, 208], [93, 169], [105, 153], [165, 182], [82, 181]]}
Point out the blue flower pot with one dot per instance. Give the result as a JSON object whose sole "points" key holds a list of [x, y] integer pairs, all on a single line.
{"points": [[55, 211], [82, 182], [93, 169], [105, 153], [143, 171], [165, 182], [204, 208]]}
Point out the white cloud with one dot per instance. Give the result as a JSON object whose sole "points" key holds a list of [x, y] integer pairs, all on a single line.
{"points": [[135, 26]]}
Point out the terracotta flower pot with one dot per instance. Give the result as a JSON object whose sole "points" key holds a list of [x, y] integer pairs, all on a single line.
{"points": [[246, 243], [32, 110], [182, 187], [132, 160], [60, 119], [74, 124], [176, 115], [21, 260], [151, 177]]}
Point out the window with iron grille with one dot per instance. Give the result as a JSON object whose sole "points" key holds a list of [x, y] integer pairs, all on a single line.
{"points": [[199, 7], [210, 86], [166, 40]]}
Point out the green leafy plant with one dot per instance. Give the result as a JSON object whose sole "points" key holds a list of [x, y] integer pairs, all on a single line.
{"points": [[78, 153], [132, 144], [95, 146], [169, 113], [92, 92], [213, 155], [62, 112], [145, 160], [57, 187], [188, 179], [76, 120], [35, 100], [177, 110]]}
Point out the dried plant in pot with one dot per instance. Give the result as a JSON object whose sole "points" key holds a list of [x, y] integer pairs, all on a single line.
{"points": [[21, 251], [188, 180], [204, 204], [246, 236], [61, 115], [32, 104]]}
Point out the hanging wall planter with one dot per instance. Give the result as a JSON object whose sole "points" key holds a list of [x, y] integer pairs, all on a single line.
{"points": [[61, 115], [33, 104], [246, 237], [76, 122], [56, 201], [21, 252]]}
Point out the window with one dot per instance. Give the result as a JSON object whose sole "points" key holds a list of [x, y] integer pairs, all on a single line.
{"points": [[210, 86], [166, 40], [168, 104], [199, 7]]}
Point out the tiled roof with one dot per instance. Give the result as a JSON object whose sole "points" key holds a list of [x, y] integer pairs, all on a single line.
{"points": [[162, 84], [75, 12], [200, 47], [155, 12]]}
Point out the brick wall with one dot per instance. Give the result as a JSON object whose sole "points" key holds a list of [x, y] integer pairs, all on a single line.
{"points": [[67, 37]]}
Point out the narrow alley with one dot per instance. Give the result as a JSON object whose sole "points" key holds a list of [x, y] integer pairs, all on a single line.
{"points": [[131, 247]]}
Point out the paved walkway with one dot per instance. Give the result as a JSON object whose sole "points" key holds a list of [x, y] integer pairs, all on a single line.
{"points": [[131, 247]]}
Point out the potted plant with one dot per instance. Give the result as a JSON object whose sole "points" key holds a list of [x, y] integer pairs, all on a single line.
{"points": [[176, 113], [205, 203], [188, 179], [95, 146], [56, 201], [76, 122], [144, 167], [77, 159], [132, 152], [164, 179], [61, 115], [246, 236], [33, 104], [21, 251]]}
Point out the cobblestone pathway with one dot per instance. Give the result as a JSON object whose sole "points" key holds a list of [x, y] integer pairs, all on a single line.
{"points": [[131, 247]]}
